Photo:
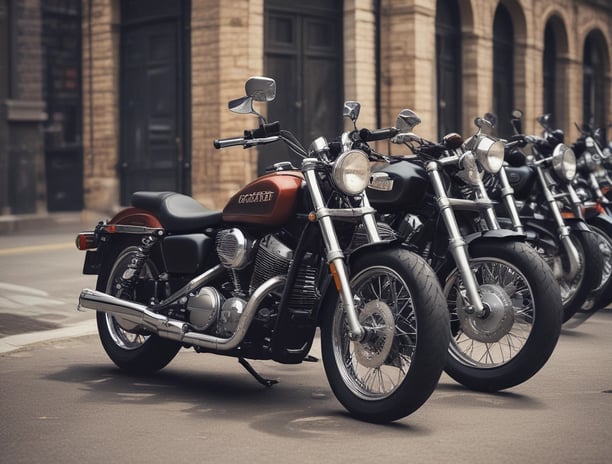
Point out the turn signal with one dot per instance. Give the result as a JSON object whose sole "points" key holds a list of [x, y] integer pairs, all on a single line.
{"points": [[85, 241]]}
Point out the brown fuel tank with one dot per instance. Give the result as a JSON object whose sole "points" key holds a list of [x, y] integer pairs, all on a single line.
{"points": [[268, 200]]}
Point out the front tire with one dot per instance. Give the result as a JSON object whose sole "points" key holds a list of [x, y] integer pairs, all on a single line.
{"points": [[396, 368], [129, 346], [601, 296], [515, 340]]}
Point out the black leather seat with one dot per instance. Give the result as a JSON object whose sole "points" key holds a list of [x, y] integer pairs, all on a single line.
{"points": [[175, 211]]}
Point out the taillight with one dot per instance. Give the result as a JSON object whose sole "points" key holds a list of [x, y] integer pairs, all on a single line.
{"points": [[86, 241]]}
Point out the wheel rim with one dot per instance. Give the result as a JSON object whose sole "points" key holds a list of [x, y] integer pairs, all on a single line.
{"points": [[125, 334], [374, 368], [496, 340]]}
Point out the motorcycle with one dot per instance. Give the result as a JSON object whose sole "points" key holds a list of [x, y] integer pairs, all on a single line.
{"points": [[532, 188], [256, 280], [502, 298], [591, 184]]}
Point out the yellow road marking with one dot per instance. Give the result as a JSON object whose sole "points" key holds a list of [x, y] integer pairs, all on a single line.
{"points": [[36, 248]]}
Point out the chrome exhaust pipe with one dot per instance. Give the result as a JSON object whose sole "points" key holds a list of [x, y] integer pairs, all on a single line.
{"points": [[172, 328]]}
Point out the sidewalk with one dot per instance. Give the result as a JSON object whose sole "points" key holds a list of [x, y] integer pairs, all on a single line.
{"points": [[18, 223]]}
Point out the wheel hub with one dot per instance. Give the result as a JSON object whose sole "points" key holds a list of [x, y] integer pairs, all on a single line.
{"points": [[497, 323], [377, 318]]}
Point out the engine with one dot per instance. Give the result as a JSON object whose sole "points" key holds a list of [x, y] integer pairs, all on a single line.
{"points": [[211, 311]]}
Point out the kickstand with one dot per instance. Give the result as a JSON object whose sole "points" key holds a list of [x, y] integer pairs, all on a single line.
{"points": [[253, 372]]}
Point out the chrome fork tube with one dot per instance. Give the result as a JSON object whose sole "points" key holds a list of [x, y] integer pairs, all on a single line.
{"points": [[489, 213], [457, 245], [562, 229], [369, 221], [508, 199], [335, 256]]}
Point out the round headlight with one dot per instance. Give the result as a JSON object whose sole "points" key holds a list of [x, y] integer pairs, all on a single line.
{"points": [[490, 154], [351, 172], [564, 162]]}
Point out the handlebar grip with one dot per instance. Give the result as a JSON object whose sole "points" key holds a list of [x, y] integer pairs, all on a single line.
{"points": [[224, 143], [379, 134]]}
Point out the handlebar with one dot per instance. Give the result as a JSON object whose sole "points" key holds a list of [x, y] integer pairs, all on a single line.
{"points": [[245, 142], [368, 135], [265, 133]]}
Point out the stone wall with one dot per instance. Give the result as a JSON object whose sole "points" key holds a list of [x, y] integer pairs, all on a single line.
{"points": [[227, 48]]}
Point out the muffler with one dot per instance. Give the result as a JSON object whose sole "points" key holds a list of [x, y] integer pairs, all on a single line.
{"points": [[175, 329]]}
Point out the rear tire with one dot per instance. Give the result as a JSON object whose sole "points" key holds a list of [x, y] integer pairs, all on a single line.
{"points": [[131, 347], [395, 370]]}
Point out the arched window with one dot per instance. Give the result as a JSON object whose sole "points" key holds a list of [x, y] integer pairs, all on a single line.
{"points": [[448, 66], [503, 70], [594, 73]]}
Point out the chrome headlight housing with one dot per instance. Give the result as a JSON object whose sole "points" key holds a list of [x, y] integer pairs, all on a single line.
{"points": [[564, 162], [490, 154], [351, 172]]}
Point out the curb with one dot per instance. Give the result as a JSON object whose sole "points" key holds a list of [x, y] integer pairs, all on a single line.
{"points": [[17, 342]]}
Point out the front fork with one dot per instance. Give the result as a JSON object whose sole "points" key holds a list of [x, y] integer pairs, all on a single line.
{"points": [[334, 254], [508, 199], [562, 229], [457, 246]]}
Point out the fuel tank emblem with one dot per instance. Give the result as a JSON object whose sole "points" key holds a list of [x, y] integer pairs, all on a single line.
{"points": [[256, 197]]}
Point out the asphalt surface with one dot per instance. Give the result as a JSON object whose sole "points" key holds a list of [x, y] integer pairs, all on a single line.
{"points": [[62, 400]]}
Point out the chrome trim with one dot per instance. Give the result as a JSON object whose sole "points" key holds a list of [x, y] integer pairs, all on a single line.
{"points": [[332, 247], [175, 329], [456, 244]]}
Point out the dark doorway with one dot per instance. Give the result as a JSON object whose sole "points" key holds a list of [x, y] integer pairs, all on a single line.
{"points": [[594, 71], [303, 53], [61, 41], [503, 70], [154, 86], [448, 64]]}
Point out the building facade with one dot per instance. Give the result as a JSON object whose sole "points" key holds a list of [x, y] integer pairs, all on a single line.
{"points": [[156, 77]]}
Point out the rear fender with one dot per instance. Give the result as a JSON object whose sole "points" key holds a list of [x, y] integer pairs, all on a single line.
{"points": [[138, 222], [136, 217]]}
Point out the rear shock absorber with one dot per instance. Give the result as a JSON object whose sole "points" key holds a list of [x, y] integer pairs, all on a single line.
{"points": [[134, 268]]}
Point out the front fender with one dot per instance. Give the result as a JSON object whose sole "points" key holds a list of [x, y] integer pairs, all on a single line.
{"points": [[603, 221], [328, 289], [498, 234], [577, 224]]}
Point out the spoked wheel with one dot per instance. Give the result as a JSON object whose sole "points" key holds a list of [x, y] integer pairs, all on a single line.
{"points": [[395, 368], [128, 345], [521, 326], [575, 290]]}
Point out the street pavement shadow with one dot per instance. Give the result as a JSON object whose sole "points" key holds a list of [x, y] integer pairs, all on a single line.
{"points": [[300, 405]]}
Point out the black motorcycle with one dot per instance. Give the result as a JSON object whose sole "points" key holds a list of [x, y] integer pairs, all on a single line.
{"points": [[591, 184], [502, 297], [533, 187]]}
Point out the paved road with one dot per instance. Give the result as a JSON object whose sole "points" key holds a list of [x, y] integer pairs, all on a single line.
{"points": [[61, 400], [40, 280]]}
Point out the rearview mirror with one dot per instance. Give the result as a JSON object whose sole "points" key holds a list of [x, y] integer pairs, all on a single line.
{"points": [[407, 120], [243, 105], [351, 110], [261, 88]]}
